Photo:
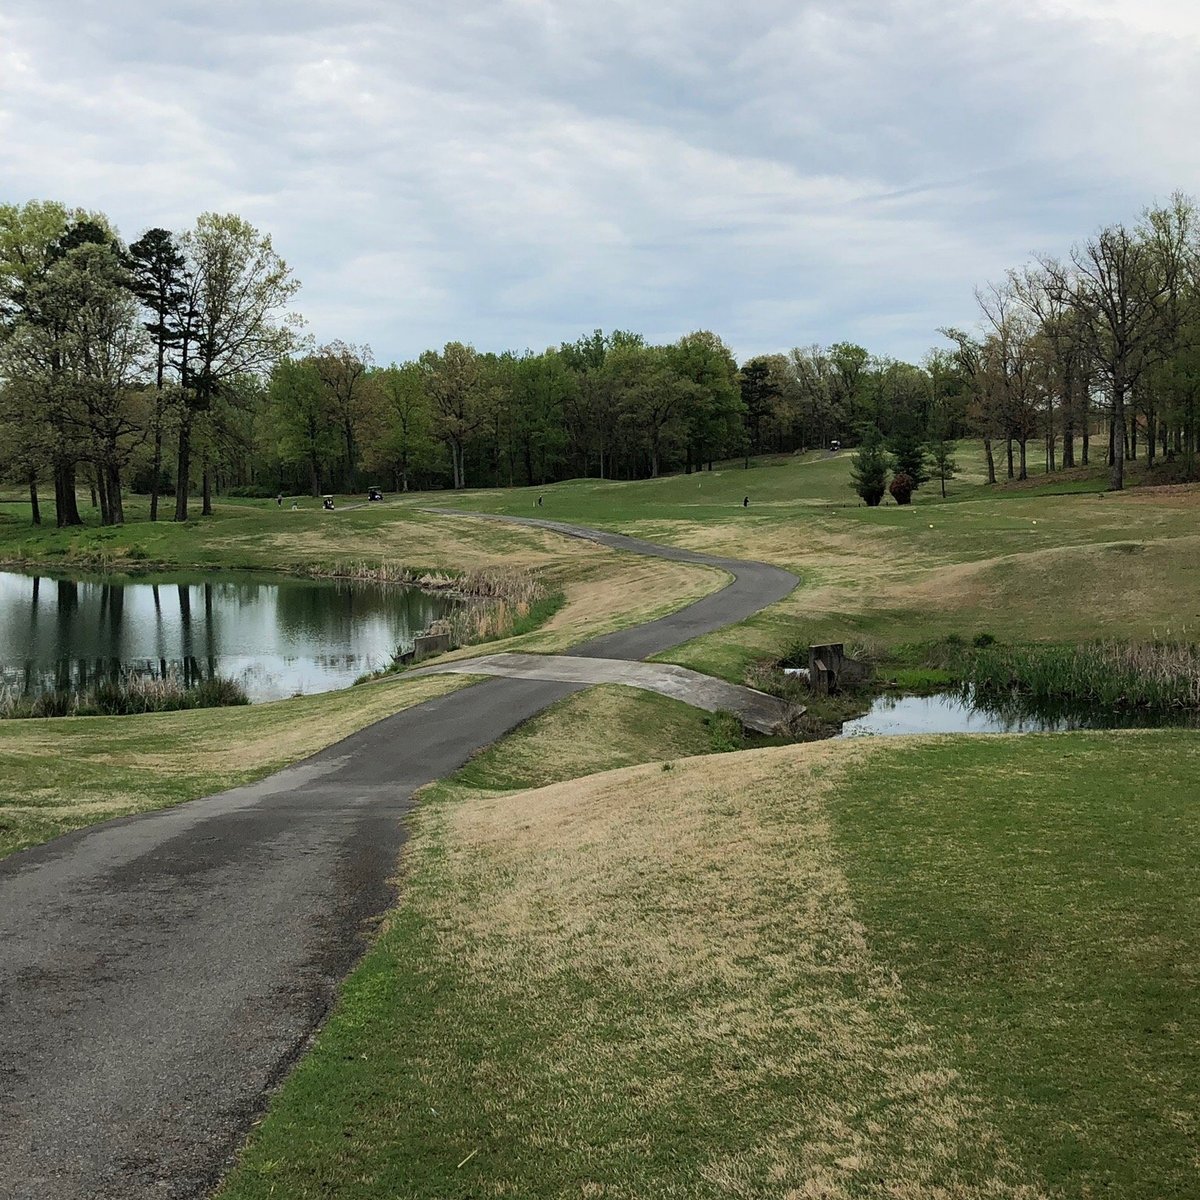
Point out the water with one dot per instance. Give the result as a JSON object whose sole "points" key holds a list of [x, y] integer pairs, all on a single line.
{"points": [[950, 712], [276, 636]]}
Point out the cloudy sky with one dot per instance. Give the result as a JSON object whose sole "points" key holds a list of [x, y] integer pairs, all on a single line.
{"points": [[516, 172]]}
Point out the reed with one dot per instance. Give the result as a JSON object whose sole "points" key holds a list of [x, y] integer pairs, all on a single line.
{"points": [[511, 584], [1114, 675], [123, 695]]}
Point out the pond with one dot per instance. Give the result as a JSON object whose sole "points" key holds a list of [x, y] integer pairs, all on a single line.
{"points": [[276, 636], [951, 712]]}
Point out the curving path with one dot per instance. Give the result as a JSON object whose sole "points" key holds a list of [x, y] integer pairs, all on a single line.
{"points": [[159, 974]]}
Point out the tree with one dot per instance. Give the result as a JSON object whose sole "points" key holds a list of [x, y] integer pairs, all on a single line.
{"points": [[303, 418], [869, 467], [902, 488], [235, 322], [402, 423], [942, 454], [32, 240], [760, 391], [102, 349], [1117, 285], [343, 371], [907, 449], [454, 386], [713, 413], [652, 397], [158, 278], [980, 413]]}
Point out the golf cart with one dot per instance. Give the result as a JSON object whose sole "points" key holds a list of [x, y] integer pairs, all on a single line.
{"points": [[327, 503], [374, 493]]}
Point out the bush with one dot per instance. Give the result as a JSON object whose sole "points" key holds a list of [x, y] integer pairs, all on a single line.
{"points": [[902, 487], [868, 468]]}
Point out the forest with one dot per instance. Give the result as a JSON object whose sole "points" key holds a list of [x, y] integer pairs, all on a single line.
{"points": [[178, 366]]}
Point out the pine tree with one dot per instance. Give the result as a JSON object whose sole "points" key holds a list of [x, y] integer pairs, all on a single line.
{"points": [[869, 468]]}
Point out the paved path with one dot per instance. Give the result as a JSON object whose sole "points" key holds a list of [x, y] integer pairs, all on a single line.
{"points": [[757, 710], [159, 974]]}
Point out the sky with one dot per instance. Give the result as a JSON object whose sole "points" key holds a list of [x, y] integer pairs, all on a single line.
{"points": [[516, 173]]}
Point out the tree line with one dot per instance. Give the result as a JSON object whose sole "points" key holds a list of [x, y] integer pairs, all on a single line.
{"points": [[108, 350], [177, 364], [1104, 341]]}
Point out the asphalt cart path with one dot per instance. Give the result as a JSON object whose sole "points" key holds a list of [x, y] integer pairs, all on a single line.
{"points": [[160, 973]]}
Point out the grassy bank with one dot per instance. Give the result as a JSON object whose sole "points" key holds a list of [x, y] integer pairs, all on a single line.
{"points": [[64, 773], [944, 967]]}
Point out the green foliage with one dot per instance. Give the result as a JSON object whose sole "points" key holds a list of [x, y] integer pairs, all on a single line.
{"points": [[869, 468], [908, 456], [303, 418]]}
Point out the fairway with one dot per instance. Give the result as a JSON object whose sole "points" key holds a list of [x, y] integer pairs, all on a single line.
{"points": [[837, 970]]}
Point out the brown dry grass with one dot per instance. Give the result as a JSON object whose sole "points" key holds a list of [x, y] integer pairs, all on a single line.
{"points": [[615, 593], [710, 901]]}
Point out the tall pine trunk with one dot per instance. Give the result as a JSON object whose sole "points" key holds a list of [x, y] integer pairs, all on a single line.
{"points": [[991, 459], [183, 467], [35, 509], [154, 483]]}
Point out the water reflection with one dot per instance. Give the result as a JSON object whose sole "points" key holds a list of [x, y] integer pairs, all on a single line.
{"points": [[956, 712], [276, 636]]}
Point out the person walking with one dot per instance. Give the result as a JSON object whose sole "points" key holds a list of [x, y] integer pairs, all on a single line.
{"points": [[746, 502]]}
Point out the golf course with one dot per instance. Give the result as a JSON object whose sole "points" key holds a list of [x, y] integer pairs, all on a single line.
{"points": [[622, 948]]}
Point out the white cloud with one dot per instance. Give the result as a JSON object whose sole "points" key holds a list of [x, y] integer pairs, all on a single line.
{"points": [[516, 173]]}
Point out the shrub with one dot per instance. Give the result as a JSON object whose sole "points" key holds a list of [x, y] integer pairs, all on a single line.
{"points": [[902, 487], [908, 455], [868, 468]]}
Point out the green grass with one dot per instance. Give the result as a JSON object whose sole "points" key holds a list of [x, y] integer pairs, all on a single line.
{"points": [[945, 967], [255, 534], [1038, 899], [63, 773]]}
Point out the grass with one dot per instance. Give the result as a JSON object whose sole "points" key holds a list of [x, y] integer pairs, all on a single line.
{"points": [[67, 772], [1037, 897], [1110, 675], [830, 970]]}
